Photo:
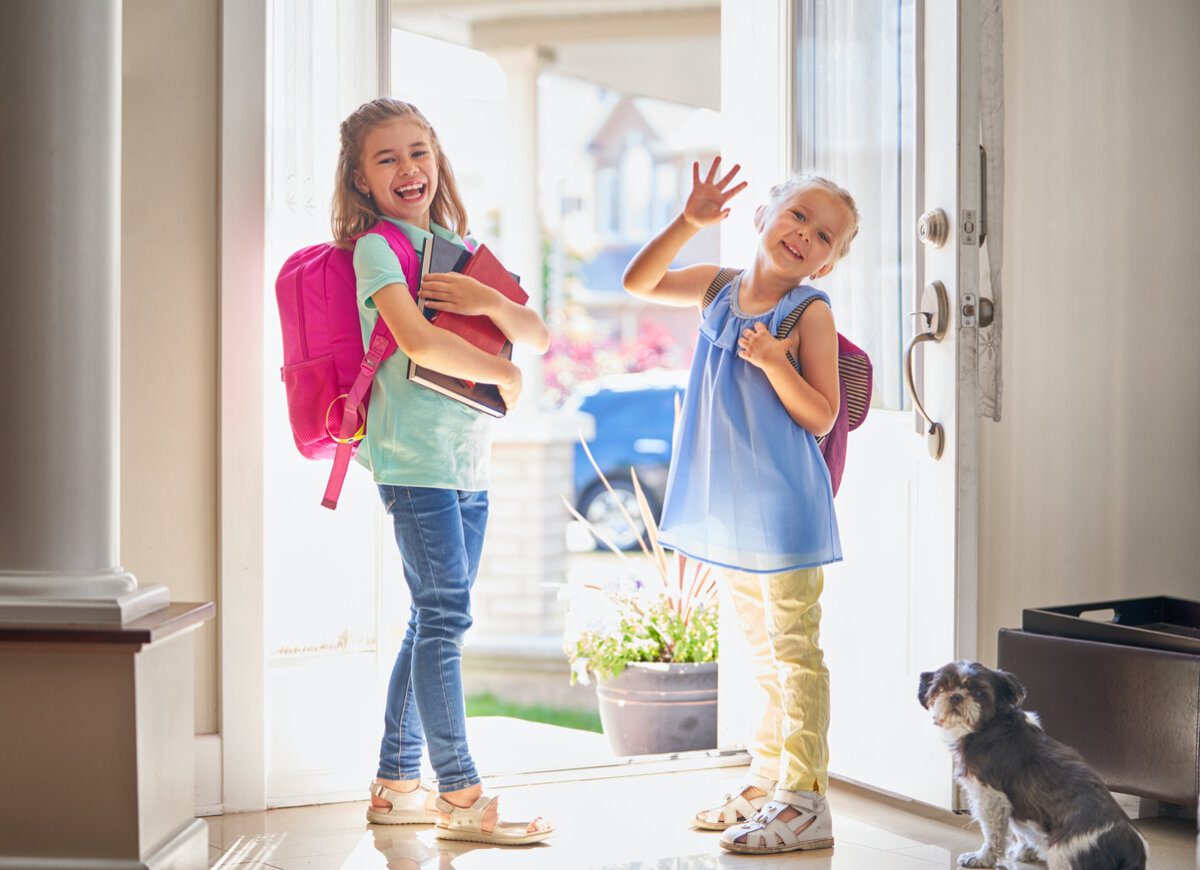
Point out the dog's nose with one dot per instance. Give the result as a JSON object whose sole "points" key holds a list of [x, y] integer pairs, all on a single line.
{"points": [[956, 699]]}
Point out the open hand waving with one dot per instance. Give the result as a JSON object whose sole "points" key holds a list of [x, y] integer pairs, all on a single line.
{"points": [[706, 203]]}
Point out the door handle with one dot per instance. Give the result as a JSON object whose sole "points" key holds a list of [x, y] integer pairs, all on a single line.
{"points": [[935, 309]]}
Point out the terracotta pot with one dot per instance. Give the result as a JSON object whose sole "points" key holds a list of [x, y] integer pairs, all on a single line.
{"points": [[654, 708]]}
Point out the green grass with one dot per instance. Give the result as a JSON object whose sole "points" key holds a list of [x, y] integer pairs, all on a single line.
{"points": [[490, 705]]}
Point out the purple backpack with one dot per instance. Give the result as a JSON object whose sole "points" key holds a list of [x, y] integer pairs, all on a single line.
{"points": [[855, 374], [854, 385], [326, 375]]}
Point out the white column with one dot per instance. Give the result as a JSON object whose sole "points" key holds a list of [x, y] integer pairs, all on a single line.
{"points": [[520, 225], [59, 335], [525, 552]]}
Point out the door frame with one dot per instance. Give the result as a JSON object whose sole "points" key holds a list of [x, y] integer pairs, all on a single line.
{"points": [[242, 213], [970, 198]]}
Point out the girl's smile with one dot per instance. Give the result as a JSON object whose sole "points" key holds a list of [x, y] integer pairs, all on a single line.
{"points": [[399, 171], [411, 192]]}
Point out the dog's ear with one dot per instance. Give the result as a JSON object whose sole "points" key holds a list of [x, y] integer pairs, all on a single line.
{"points": [[1009, 691], [923, 688]]}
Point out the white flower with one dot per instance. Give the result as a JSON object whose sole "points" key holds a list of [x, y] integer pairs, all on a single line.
{"points": [[579, 669]]}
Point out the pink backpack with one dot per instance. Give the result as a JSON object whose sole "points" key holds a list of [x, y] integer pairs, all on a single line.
{"points": [[326, 376]]}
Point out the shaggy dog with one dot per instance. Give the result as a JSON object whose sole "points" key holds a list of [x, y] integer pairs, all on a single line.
{"points": [[1022, 781]]}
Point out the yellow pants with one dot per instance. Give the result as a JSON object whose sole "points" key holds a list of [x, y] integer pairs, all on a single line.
{"points": [[781, 617]]}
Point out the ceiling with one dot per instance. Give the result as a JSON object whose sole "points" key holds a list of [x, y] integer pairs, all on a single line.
{"points": [[667, 49]]}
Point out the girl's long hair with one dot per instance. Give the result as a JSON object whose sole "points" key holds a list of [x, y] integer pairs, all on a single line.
{"points": [[354, 213]]}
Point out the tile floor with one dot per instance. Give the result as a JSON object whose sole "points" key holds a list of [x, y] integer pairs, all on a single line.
{"points": [[636, 822]]}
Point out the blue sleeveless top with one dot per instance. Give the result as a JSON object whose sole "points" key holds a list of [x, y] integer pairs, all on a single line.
{"points": [[748, 487]]}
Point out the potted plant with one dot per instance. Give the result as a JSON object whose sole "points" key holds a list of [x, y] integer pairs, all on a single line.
{"points": [[648, 635]]}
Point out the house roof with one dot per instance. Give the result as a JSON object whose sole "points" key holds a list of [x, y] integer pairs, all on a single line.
{"points": [[625, 116], [671, 126]]}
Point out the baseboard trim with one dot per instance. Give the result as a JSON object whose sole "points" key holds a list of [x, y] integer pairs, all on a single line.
{"points": [[186, 850], [208, 789]]}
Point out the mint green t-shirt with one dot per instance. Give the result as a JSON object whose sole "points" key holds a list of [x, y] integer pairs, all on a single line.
{"points": [[415, 436]]}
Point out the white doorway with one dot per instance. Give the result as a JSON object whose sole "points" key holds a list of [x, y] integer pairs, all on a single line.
{"points": [[909, 607]]}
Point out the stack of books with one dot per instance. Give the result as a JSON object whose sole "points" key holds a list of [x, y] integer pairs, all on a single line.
{"points": [[441, 255]]}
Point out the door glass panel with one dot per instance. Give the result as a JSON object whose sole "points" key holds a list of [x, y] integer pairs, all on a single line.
{"points": [[855, 113]]}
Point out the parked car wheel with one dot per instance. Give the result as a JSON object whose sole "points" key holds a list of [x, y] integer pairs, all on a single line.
{"points": [[634, 417], [602, 509]]}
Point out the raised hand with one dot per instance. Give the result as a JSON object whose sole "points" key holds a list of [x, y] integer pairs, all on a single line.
{"points": [[706, 203]]}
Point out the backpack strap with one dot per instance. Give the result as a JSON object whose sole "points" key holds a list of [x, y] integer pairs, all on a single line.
{"points": [[789, 323], [723, 277], [380, 346], [410, 263], [785, 329], [855, 371]]}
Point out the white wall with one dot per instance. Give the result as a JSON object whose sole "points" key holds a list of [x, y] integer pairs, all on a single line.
{"points": [[1090, 486], [169, 260]]}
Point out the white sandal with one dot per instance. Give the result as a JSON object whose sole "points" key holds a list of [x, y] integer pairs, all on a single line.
{"points": [[766, 834], [466, 823], [737, 809], [408, 807]]}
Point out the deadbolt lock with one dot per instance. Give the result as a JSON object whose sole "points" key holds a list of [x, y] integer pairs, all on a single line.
{"points": [[933, 228]]}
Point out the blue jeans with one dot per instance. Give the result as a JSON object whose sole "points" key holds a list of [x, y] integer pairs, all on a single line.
{"points": [[440, 535]]}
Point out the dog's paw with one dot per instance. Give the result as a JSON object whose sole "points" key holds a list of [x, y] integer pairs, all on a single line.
{"points": [[1023, 853], [982, 858]]}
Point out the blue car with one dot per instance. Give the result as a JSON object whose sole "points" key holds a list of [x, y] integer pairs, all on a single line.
{"points": [[635, 416]]}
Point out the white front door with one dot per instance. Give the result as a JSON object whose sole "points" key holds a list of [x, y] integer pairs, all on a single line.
{"points": [[881, 95]]}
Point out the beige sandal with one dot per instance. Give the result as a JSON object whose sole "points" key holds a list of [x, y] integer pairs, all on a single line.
{"points": [[408, 807], [737, 809], [466, 823]]}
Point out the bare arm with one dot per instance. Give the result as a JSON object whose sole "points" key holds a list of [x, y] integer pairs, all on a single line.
{"points": [[462, 294], [812, 400], [649, 274], [440, 350]]}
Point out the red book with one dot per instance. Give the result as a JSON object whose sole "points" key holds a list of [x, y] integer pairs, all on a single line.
{"points": [[478, 328], [475, 328]]}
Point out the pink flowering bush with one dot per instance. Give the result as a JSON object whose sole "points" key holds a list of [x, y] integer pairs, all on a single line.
{"points": [[574, 360]]}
